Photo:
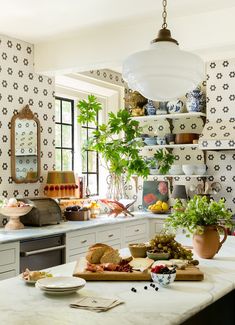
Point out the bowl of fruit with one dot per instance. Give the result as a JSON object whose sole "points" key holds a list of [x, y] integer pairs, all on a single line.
{"points": [[77, 213], [14, 210], [163, 275], [159, 207]]}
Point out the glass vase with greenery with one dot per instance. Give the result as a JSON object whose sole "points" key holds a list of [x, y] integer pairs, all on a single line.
{"points": [[118, 142]]}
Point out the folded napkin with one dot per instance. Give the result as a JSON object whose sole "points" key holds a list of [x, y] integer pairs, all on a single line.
{"points": [[97, 304]]}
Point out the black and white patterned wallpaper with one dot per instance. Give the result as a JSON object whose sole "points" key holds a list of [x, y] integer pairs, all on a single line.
{"points": [[221, 115], [219, 132], [220, 90], [19, 85]]}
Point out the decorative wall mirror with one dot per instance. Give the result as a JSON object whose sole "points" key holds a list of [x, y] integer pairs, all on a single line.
{"points": [[25, 147]]}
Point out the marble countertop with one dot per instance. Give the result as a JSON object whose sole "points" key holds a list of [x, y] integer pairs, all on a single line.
{"points": [[64, 227], [22, 304]]}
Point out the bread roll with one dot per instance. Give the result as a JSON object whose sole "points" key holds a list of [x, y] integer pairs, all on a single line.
{"points": [[111, 256], [102, 253]]}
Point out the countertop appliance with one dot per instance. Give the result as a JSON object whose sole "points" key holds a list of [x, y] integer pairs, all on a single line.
{"points": [[46, 211], [42, 253]]}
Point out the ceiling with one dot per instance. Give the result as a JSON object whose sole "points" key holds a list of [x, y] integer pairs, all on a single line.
{"points": [[39, 21]]}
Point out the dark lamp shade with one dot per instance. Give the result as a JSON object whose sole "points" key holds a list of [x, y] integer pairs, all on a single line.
{"points": [[179, 192]]}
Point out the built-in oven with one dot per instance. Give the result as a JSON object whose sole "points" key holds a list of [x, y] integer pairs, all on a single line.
{"points": [[41, 253]]}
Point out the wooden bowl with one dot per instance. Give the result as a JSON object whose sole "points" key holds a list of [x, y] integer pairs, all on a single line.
{"points": [[186, 138], [77, 215], [138, 250]]}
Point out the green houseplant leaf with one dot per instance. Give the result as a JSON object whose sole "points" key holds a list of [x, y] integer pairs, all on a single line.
{"points": [[198, 213], [117, 141]]}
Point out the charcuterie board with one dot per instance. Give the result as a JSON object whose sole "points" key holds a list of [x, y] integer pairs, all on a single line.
{"points": [[191, 273]]}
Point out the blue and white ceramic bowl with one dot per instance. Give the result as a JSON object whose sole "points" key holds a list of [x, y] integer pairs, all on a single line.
{"points": [[175, 106], [151, 141], [163, 279]]}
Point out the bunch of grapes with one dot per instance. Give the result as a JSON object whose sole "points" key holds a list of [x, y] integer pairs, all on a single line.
{"points": [[166, 243]]}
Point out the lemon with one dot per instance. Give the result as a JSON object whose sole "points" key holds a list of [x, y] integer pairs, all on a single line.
{"points": [[165, 206], [159, 203]]}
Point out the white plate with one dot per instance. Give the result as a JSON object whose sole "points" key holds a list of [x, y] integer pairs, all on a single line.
{"points": [[61, 282], [59, 289], [60, 292]]}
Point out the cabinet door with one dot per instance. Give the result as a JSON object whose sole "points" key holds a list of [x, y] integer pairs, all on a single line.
{"points": [[156, 227], [9, 258], [109, 235]]}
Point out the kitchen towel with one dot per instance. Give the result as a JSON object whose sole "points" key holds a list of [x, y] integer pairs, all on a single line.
{"points": [[97, 304]]}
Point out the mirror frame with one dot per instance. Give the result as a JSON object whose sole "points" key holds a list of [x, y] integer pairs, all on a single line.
{"points": [[24, 113]]}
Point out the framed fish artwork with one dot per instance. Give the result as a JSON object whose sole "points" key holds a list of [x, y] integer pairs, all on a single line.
{"points": [[154, 191]]}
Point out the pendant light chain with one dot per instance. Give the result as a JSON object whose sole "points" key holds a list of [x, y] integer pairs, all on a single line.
{"points": [[164, 14]]}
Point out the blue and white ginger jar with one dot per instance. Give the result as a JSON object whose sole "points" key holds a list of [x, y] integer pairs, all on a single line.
{"points": [[195, 100], [150, 108]]}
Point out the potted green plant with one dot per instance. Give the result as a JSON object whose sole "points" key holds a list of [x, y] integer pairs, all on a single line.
{"points": [[203, 218], [118, 142], [164, 160]]}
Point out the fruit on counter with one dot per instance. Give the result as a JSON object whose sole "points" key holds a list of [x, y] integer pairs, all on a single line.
{"points": [[159, 206], [13, 203], [73, 208], [167, 243]]}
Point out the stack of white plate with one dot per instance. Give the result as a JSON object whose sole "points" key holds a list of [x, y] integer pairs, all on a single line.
{"points": [[60, 285]]}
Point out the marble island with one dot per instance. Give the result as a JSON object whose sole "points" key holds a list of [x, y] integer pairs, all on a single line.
{"points": [[21, 304]]}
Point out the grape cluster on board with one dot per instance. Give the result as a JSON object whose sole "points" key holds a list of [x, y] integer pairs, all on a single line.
{"points": [[166, 243]]}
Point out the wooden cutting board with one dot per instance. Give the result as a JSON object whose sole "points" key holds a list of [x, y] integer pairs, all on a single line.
{"points": [[191, 273]]}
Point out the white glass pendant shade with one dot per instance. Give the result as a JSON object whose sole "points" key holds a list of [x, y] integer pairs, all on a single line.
{"points": [[164, 72]]}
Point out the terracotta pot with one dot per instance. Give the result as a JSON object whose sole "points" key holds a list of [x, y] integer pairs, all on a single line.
{"points": [[208, 244]]}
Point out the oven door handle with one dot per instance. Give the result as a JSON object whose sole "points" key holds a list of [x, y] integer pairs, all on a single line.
{"points": [[43, 250]]}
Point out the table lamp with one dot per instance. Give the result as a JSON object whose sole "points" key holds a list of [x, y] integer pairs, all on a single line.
{"points": [[179, 192]]}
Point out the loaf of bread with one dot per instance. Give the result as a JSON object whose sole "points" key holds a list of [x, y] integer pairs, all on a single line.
{"points": [[102, 253]]}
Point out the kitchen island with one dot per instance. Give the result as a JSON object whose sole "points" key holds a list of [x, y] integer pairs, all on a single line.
{"points": [[22, 304]]}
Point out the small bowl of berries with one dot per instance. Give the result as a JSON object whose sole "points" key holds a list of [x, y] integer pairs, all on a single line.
{"points": [[163, 275]]}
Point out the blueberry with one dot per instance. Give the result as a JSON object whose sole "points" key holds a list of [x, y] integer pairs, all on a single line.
{"points": [[145, 287], [153, 285], [156, 288]]}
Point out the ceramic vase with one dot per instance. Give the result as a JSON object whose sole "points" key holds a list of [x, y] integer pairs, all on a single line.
{"points": [[195, 100], [175, 106], [150, 108], [206, 245]]}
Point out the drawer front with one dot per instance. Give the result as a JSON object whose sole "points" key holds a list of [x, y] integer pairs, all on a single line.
{"points": [[136, 230], [109, 235], [158, 227], [7, 275], [135, 241], [7, 255], [81, 241]]}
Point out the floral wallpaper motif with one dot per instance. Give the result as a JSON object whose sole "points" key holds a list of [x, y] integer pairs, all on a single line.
{"points": [[19, 85]]}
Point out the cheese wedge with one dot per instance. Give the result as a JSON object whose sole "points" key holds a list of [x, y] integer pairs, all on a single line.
{"points": [[141, 264]]}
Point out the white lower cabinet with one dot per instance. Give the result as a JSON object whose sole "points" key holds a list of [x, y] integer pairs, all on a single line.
{"points": [[155, 227], [9, 260]]}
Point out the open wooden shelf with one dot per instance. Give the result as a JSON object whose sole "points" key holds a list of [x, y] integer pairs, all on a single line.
{"points": [[168, 116]]}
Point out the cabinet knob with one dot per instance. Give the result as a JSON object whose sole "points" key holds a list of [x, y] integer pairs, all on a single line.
{"points": [[137, 230], [111, 235], [84, 241]]}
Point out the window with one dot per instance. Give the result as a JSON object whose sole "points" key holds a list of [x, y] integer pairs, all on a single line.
{"points": [[64, 133], [90, 161]]}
